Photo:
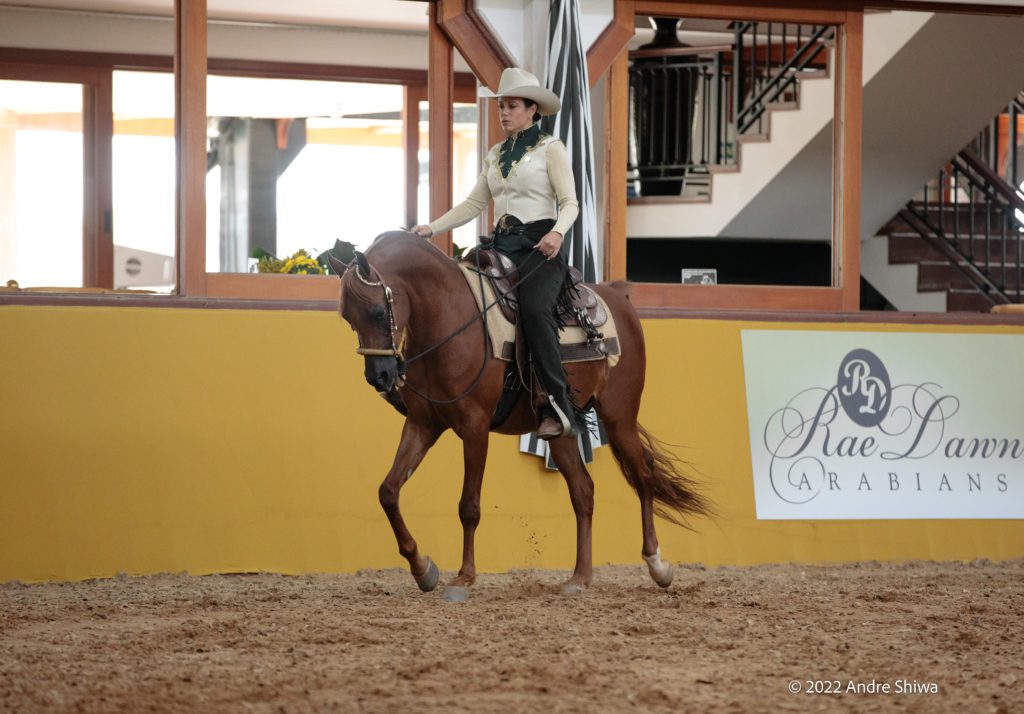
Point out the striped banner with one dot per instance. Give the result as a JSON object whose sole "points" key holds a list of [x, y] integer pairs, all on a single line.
{"points": [[567, 77]]}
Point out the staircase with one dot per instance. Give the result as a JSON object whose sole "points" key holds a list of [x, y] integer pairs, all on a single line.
{"points": [[936, 274], [908, 65], [965, 229], [747, 95]]}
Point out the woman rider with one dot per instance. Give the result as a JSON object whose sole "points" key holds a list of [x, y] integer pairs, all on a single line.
{"points": [[529, 178]]}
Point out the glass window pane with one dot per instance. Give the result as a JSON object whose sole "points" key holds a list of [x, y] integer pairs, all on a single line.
{"points": [[144, 180], [731, 152], [41, 183], [299, 165], [465, 167]]}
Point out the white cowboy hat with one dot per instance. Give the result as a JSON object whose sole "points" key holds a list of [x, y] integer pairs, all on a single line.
{"points": [[517, 82]]}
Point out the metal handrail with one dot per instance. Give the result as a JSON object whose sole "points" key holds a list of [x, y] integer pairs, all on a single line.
{"points": [[783, 77], [975, 193], [1009, 193]]}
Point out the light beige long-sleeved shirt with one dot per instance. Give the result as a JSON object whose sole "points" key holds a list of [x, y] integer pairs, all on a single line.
{"points": [[540, 185]]}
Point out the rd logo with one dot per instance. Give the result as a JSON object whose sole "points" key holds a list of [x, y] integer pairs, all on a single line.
{"points": [[864, 388]]}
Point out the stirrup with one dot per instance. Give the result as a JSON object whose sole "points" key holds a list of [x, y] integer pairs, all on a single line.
{"points": [[569, 426]]}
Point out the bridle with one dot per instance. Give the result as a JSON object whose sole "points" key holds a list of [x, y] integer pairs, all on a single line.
{"points": [[389, 300], [397, 345]]}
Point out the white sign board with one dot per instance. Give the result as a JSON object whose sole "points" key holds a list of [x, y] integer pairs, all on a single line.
{"points": [[865, 425]]}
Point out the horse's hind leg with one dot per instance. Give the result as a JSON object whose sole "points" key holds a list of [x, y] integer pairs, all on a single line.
{"points": [[624, 437], [474, 452], [416, 440], [566, 454]]}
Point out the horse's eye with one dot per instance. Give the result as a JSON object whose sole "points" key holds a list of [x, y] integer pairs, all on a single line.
{"points": [[377, 312]]}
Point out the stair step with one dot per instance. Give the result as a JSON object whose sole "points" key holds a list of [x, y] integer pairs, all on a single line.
{"points": [[909, 247], [723, 169], [753, 138], [943, 276], [687, 198], [967, 301], [966, 222]]}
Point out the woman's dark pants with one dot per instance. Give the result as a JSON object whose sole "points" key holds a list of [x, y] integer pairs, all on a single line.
{"points": [[537, 306]]}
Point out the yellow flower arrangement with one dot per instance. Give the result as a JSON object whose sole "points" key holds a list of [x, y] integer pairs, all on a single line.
{"points": [[301, 263]]}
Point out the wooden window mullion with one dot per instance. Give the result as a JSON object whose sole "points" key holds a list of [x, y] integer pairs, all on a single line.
{"points": [[190, 141]]}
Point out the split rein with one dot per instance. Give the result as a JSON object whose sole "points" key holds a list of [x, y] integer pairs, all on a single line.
{"points": [[396, 349]]}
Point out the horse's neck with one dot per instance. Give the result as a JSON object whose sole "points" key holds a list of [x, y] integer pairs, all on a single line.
{"points": [[440, 300]]}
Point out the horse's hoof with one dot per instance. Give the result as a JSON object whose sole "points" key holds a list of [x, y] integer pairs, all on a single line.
{"points": [[663, 578], [661, 572], [572, 589], [455, 593], [428, 581]]}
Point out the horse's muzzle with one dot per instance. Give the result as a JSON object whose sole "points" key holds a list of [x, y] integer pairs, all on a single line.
{"points": [[381, 372]]}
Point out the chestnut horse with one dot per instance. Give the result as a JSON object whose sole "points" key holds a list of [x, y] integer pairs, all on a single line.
{"points": [[426, 351]]}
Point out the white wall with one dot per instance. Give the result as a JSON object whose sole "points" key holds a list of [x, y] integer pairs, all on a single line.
{"points": [[522, 26]]}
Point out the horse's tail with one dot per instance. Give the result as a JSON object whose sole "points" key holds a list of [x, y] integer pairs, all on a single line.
{"points": [[676, 494]]}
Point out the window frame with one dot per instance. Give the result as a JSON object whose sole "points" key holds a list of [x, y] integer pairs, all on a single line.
{"points": [[94, 70], [843, 295], [97, 132]]}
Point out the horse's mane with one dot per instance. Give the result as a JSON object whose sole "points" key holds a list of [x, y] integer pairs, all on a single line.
{"points": [[394, 254]]}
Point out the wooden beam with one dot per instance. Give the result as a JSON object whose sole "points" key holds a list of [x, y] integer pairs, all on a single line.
{"points": [[469, 32], [70, 60], [97, 207], [798, 11], [846, 142], [190, 136], [616, 122], [960, 8], [440, 95], [612, 40], [411, 98], [272, 286], [735, 297]]}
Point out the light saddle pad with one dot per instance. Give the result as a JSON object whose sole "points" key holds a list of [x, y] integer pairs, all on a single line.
{"points": [[503, 332]]}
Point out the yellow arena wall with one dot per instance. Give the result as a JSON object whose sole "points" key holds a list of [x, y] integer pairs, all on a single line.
{"points": [[140, 440]]}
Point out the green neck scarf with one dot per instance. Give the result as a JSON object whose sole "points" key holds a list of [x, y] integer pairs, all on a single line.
{"points": [[515, 147]]}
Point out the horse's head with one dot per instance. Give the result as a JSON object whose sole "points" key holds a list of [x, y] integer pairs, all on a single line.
{"points": [[378, 314]]}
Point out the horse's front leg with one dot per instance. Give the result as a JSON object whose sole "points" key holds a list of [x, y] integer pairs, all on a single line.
{"points": [[416, 440], [566, 455], [474, 453]]}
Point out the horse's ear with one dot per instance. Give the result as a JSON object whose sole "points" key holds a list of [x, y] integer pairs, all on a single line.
{"points": [[363, 265], [338, 266]]}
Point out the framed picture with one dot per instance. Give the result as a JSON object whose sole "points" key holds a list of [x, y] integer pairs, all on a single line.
{"points": [[700, 276]]}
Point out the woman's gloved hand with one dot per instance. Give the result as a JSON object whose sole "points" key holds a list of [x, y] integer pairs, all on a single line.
{"points": [[422, 230]]}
